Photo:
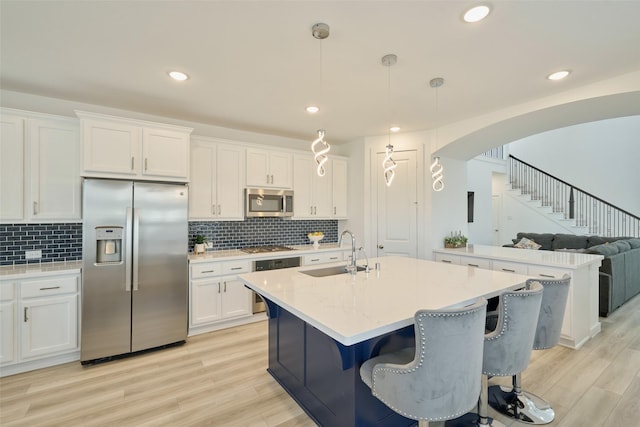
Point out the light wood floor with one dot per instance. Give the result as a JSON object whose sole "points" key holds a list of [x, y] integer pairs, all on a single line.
{"points": [[219, 379]]}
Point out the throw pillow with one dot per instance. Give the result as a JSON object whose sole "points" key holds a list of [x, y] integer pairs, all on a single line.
{"points": [[525, 243]]}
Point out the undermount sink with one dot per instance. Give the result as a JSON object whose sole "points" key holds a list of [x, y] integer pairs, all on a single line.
{"points": [[329, 271]]}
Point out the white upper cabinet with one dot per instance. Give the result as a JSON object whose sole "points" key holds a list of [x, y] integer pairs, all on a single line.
{"points": [[114, 147], [217, 181], [340, 169], [39, 174], [319, 197], [12, 147], [311, 193], [266, 168], [55, 170]]}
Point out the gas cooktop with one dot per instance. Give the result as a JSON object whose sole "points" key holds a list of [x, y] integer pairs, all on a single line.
{"points": [[266, 248]]}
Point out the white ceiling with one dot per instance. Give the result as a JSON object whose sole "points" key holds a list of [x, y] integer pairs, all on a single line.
{"points": [[254, 65]]}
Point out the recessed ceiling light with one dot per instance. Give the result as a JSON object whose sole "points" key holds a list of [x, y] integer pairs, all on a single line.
{"points": [[558, 75], [177, 75], [312, 109], [394, 128], [476, 13]]}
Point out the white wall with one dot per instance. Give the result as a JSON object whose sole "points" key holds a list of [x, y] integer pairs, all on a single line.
{"points": [[600, 157]]}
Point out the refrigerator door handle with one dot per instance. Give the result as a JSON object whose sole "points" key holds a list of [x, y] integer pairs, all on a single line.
{"points": [[136, 245], [127, 262]]}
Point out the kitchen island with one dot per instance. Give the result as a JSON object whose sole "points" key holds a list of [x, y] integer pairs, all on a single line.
{"points": [[321, 329]]}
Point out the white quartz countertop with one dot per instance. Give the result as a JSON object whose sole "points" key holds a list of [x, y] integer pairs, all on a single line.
{"points": [[352, 309], [235, 254], [529, 256], [25, 271]]}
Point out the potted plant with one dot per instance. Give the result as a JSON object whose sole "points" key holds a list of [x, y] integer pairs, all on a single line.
{"points": [[199, 244], [455, 240]]}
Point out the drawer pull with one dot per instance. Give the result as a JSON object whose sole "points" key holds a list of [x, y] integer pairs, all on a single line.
{"points": [[49, 288], [334, 257], [473, 265], [236, 268], [551, 276], [208, 271], [447, 261], [508, 270], [26, 317], [315, 259]]}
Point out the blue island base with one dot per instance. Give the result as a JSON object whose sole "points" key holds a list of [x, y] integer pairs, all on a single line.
{"points": [[323, 375]]}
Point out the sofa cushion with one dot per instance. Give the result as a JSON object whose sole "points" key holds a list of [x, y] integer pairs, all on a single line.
{"points": [[606, 249], [545, 240], [599, 240], [569, 241], [634, 243], [622, 245]]}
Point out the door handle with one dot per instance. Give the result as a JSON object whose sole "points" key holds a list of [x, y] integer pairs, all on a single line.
{"points": [[127, 263], [26, 317], [136, 245], [380, 246]]}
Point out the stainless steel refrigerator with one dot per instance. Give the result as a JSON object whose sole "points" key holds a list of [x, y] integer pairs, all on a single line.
{"points": [[135, 268]]}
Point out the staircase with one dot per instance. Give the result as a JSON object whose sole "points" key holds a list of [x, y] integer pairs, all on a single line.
{"points": [[575, 209]]}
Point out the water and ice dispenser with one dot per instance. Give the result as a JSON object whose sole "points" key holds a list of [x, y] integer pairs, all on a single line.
{"points": [[108, 244]]}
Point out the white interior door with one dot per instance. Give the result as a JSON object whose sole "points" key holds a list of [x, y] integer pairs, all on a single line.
{"points": [[398, 207], [495, 222]]}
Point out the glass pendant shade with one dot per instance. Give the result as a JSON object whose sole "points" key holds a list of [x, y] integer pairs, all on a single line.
{"points": [[437, 175], [389, 166]]}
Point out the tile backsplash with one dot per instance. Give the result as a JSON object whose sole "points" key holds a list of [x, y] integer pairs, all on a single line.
{"points": [[58, 242], [63, 241], [261, 231]]}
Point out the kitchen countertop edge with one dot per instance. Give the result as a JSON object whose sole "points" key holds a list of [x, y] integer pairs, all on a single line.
{"points": [[237, 254], [25, 271]]}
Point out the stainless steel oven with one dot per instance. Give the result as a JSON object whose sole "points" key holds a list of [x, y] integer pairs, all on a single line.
{"points": [[271, 264]]}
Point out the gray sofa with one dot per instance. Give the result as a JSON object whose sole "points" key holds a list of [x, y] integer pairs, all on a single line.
{"points": [[620, 269]]}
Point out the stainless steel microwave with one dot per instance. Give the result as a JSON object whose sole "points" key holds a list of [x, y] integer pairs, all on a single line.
{"points": [[267, 202]]}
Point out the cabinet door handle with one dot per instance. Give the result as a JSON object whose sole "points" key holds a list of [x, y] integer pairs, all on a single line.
{"points": [[508, 270], [334, 210], [272, 179], [473, 265], [333, 257], [207, 271], [26, 317], [315, 260], [213, 209], [133, 161], [447, 261], [145, 164], [218, 287], [310, 210], [267, 178], [219, 210], [236, 268], [380, 247], [35, 208], [225, 286], [50, 288], [551, 276]]}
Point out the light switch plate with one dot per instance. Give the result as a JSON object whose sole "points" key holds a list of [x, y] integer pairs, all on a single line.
{"points": [[208, 245], [37, 254]]}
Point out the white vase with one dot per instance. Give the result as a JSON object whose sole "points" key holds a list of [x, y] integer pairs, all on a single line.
{"points": [[199, 248]]}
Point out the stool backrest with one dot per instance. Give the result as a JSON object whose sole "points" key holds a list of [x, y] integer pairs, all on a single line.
{"points": [[443, 380], [554, 302], [507, 349]]}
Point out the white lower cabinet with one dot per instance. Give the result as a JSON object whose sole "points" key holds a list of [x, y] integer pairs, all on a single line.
{"points": [[580, 316], [217, 297], [39, 322], [323, 258]]}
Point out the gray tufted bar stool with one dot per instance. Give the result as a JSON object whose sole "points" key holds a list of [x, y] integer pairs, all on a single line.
{"points": [[439, 379], [507, 349], [522, 405]]}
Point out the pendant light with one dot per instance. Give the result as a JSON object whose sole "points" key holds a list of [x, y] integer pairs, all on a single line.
{"points": [[388, 164], [320, 147], [436, 167]]}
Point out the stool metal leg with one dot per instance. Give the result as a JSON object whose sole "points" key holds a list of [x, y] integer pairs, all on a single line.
{"points": [[522, 406]]}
